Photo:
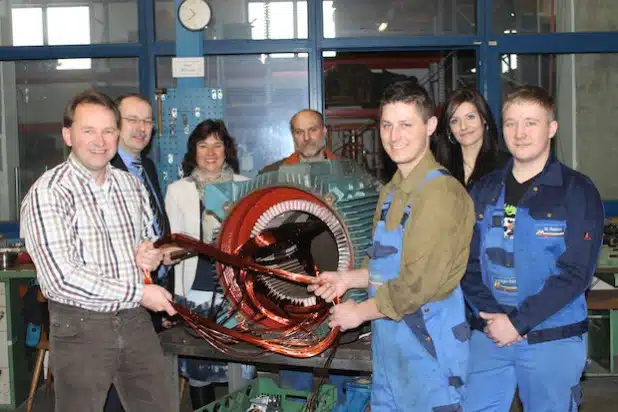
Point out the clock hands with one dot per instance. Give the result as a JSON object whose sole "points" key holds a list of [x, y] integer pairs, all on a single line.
{"points": [[194, 14]]}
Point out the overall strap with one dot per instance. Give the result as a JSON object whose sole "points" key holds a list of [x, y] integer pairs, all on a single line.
{"points": [[433, 174], [386, 205]]}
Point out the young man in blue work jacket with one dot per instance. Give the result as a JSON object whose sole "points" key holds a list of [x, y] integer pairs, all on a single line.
{"points": [[422, 231], [539, 228]]}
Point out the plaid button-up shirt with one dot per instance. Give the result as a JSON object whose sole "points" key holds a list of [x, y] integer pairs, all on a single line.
{"points": [[82, 236]]}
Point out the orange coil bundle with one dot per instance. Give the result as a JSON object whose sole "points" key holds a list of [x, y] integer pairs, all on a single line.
{"points": [[292, 327], [289, 330]]}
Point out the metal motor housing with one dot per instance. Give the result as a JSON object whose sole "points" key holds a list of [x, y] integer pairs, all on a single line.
{"points": [[336, 194]]}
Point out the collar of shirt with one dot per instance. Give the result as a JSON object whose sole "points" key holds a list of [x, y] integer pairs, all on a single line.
{"points": [[295, 158], [417, 175], [104, 188], [127, 158], [85, 175], [551, 175]]}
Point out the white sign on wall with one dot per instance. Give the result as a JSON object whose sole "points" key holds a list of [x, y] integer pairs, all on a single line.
{"points": [[188, 67]]}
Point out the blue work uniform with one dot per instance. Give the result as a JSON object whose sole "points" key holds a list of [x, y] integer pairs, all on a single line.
{"points": [[537, 275], [420, 362]]}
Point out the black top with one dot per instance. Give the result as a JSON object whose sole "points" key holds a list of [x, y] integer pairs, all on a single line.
{"points": [[501, 160], [514, 191]]}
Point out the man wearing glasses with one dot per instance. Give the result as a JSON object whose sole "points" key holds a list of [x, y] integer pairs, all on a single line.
{"points": [[135, 133]]}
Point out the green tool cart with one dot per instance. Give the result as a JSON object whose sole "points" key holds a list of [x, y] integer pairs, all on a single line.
{"points": [[15, 373]]}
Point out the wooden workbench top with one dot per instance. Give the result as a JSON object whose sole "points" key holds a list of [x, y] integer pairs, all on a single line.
{"points": [[602, 299], [355, 356]]}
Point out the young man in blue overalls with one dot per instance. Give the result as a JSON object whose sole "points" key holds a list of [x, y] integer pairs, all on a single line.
{"points": [[539, 228], [423, 227]]}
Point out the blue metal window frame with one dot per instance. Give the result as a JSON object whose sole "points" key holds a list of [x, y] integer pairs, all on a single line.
{"points": [[496, 45], [147, 49], [489, 46], [315, 44]]}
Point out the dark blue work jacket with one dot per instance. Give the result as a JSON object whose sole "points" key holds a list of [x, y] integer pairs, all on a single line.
{"points": [[539, 277]]}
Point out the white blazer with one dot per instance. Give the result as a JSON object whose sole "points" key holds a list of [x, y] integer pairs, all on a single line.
{"points": [[182, 204]]}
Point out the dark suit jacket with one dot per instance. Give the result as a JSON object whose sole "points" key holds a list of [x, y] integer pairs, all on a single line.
{"points": [[113, 403], [150, 170]]}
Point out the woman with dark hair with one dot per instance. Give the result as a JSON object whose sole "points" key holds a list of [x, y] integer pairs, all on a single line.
{"points": [[213, 129], [211, 158], [466, 139]]}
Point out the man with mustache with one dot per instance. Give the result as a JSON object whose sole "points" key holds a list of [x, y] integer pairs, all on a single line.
{"points": [[309, 133]]}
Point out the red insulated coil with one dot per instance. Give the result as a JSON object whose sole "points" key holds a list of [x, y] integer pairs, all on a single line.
{"points": [[295, 324]]}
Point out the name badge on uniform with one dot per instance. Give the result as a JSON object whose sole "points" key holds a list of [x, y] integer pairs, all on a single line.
{"points": [[549, 230]]}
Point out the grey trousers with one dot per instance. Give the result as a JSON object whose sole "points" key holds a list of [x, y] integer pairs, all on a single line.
{"points": [[90, 350]]}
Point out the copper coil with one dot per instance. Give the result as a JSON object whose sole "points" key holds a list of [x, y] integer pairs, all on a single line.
{"points": [[264, 278], [296, 336]]}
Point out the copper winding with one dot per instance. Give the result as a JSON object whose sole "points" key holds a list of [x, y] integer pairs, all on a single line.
{"points": [[254, 224], [293, 329], [194, 246]]}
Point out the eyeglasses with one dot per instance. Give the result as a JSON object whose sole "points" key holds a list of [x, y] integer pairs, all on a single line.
{"points": [[134, 121]]}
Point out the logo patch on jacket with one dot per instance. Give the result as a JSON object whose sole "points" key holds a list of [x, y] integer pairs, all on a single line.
{"points": [[549, 230]]}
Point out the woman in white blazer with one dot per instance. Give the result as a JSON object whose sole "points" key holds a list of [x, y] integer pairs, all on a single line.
{"points": [[211, 158]]}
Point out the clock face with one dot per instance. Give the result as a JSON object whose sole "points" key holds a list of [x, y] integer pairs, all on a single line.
{"points": [[194, 15]]}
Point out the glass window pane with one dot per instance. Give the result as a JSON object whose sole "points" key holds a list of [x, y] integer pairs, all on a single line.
{"points": [[354, 83], [165, 20], [301, 20], [358, 79], [260, 95], [378, 18], [579, 84], [27, 26], [91, 22], [59, 32], [554, 16], [74, 64], [241, 19], [35, 93]]}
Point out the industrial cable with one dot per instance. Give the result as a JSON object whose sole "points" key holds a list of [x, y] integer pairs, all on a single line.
{"points": [[292, 332], [312, 401]]}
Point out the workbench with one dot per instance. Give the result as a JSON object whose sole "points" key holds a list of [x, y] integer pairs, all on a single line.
{"points": [[603, 324], [15, 370], [354, 357]]}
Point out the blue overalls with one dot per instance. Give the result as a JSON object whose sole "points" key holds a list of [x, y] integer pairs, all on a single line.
{"points": [[419, 363], [545, 366]]}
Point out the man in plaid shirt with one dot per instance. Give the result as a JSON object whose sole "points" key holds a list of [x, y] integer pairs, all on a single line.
{"points": [[88, 227]]}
